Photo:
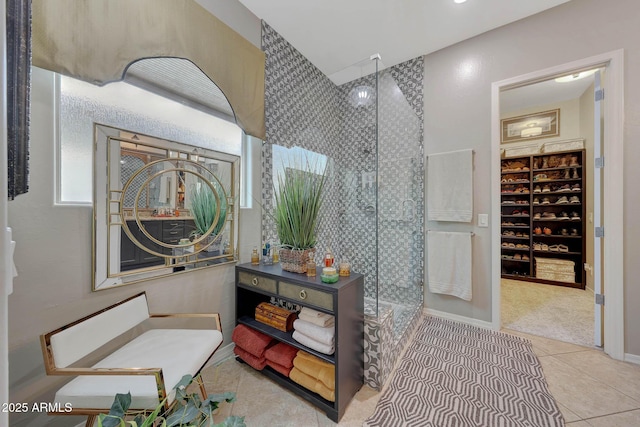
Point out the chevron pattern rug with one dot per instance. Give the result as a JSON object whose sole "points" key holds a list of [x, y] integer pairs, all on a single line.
{"points": [[455, 375]]}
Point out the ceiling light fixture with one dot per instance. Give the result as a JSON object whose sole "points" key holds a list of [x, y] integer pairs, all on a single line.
{"points": [[361, 96], [459, 1], [531, 130], [576, 76]]}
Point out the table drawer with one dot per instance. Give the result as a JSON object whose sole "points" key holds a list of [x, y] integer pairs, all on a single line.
{"points": [[306, 296], [255, 281]]}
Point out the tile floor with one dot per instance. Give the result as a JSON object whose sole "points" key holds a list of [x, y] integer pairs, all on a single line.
{"points": [[591, 389]]}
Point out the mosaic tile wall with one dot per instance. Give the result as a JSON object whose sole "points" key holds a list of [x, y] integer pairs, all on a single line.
{"points": [[304, 108]]}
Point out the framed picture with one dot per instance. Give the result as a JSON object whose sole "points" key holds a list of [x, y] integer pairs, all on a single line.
{"points": [[545, 124]]}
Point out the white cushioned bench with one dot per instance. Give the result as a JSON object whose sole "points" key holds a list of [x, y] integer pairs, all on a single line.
{"points": [[149, 366]]}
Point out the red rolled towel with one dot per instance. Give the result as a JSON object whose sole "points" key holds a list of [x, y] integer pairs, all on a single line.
{"points": [[282, 354], [250, 340], [278, 367], [255, 362]]}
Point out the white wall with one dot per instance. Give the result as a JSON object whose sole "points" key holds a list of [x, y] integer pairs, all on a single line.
{"points": [[53, 257], [458, 116]]}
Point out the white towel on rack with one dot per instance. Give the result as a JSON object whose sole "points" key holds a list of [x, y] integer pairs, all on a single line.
{"points": [[449, 263], [450, 186]]}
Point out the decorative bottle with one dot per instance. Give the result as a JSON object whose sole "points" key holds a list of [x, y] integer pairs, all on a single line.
{"points": [[311, 265], [255, 256]]}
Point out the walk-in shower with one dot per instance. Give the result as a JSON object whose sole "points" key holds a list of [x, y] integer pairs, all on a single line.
{"points": [[370, 130], [382, 224]]}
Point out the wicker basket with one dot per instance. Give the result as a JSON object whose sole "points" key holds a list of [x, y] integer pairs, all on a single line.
{"points": [[559, 270], [295, 260]]}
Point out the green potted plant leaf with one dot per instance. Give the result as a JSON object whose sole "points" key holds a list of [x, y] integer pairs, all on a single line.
{"points": [[188, 410], [205, 208], [298, 199]]}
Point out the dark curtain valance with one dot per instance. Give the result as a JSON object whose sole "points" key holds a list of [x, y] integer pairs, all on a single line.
{"points": [[95, 41]]}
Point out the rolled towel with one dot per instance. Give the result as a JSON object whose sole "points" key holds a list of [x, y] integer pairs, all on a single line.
{"points": [[279, 368], [250, 340], [316, 368], [312, 384], [257, 363], [282, 354], [312, 344], [316, 317], [318, 333]]}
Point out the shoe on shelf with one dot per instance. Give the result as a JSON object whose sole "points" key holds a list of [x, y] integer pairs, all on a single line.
{"points": [[545, 163], [574, 232], [562, 200], [575, 174], [544, 247], [546, 189], [507, 224], [537, 189], [575, 216], [564, 188], [548, 215], [564, 232], [516, 212], [564, 215], [509, 233], [547, 231], [525, 213], [574, 199], [575, 187], [537, 246], [563, 248], [554, 248], [536, 215], [563, 162], [536, 201], [536, 163], [505, 244], [546, 201], [574, 162], [537, 230], [566, 175], [525, 257]]}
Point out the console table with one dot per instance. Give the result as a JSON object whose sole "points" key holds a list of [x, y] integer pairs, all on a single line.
{"points": [[344, 300]]}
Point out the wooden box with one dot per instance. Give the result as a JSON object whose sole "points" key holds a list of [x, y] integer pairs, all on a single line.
{"points": [[276, 317]]}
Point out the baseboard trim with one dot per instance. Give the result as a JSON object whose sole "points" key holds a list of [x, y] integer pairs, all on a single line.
{"points": [[458, 318], [632, 358]]}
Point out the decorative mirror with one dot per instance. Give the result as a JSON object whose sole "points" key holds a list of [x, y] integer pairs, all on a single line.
{"points": [[163, 207]]}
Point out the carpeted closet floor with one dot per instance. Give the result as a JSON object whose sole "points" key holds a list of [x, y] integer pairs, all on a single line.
{"points": [[556, 312]]}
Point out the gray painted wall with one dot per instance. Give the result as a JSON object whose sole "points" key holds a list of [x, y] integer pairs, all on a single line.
{"points": [[53, 258], [458, 116]]}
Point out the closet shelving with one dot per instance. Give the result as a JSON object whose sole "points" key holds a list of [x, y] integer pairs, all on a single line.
{"points": [[542, 215]]}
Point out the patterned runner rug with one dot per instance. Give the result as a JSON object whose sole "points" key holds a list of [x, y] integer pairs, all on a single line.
{"points": [[455, 375]]}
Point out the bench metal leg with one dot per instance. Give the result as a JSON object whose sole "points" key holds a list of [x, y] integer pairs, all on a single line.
{"points": [[203, 391], [90, 420]]}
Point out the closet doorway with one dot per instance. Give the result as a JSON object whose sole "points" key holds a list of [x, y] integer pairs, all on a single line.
{"points": [[546, 137]]}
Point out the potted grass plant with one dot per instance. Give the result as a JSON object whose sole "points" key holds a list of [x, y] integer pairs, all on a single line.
{"points": [[204, 209], [298, 198]]}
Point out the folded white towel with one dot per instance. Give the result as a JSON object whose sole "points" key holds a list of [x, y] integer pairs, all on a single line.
{"points": [[450, 186], [320, 319], [449, 263], [318, 333], [311, 312], [312, 344]]}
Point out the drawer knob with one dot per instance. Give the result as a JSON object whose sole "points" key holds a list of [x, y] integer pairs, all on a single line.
{"points": [[303, 294], [254, 281]]}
